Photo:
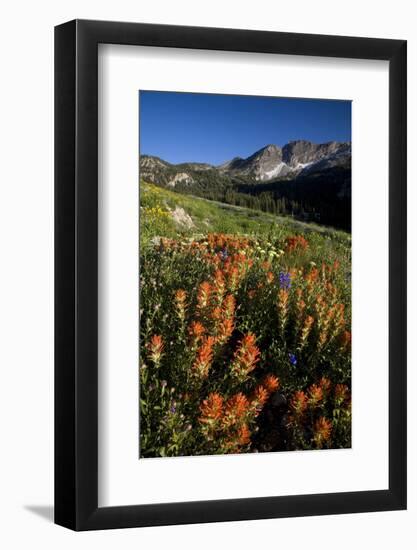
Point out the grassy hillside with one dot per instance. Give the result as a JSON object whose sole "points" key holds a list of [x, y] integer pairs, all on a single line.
{"points": [[157, 220]]}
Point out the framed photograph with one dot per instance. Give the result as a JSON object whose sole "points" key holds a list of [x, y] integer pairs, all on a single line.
{"points": [[230, 252]]}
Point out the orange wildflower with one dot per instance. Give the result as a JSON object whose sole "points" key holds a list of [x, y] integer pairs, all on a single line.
{"points": [[233, 278], [155, 348], [196, 331], [236, 439], [339, 318], [216, 313], [297, 242], [180, 296], [236, 409], [312, 275], [305, 331], [244, 435], [293, 271], [331, 291], [260, 397], [345, 340], [322, 431], [229, 306], [298, 403], [225, 330], [203, 295], [326, 335], [320, 307], [271, 383], [219, 284], [204, 357], [211, 409], [270, 277], [246, 356], [180, 303], [325, 384], [315, 395], [322, 339], [282, 309]]}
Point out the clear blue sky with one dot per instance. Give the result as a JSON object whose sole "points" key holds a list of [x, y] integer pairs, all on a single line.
{"points": [[181, 127]]}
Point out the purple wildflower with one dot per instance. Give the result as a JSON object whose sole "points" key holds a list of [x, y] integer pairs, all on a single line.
{"points": [[292, 358], [284, 280], [224, 254]]}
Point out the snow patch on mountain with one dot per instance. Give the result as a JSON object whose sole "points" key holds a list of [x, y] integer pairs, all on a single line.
{"points": [[302, 165], [275, 172]]}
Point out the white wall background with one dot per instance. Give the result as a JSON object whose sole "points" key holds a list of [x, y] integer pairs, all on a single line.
{"points": [[26, 271]]}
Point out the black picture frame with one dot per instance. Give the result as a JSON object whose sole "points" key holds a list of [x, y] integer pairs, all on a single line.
{"points": [[76, 271]]}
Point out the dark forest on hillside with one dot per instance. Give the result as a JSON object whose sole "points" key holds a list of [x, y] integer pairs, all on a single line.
{"points": [[323, 198]]}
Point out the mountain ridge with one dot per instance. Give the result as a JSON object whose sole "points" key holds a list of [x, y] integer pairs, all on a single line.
{"points": [[297, 157], [311, 181]]}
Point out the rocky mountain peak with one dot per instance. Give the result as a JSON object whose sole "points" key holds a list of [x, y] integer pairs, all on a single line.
{"points": [[270, 162], [271, 148]]}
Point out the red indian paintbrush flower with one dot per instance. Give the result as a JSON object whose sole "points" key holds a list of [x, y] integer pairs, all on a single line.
{"points": [[325, 384], [216, 313], [204, 357], [331, 291], [211, 409], [270, 277], [297, 242], [282, 309], [305, 331], [260, 397], [219, 285], [322, 431], [229, 306], [225, 330], [180, 296], [236, 409], [246, 356], [320, 308], [236, 439], [233, 278], [315, 395], [180, 303], [321, 340], [270, 383], [300, 305], [203, 296], [155, 348], [298, 403], [339, 318], [345, 340], [196, 331], [244, 435]]}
